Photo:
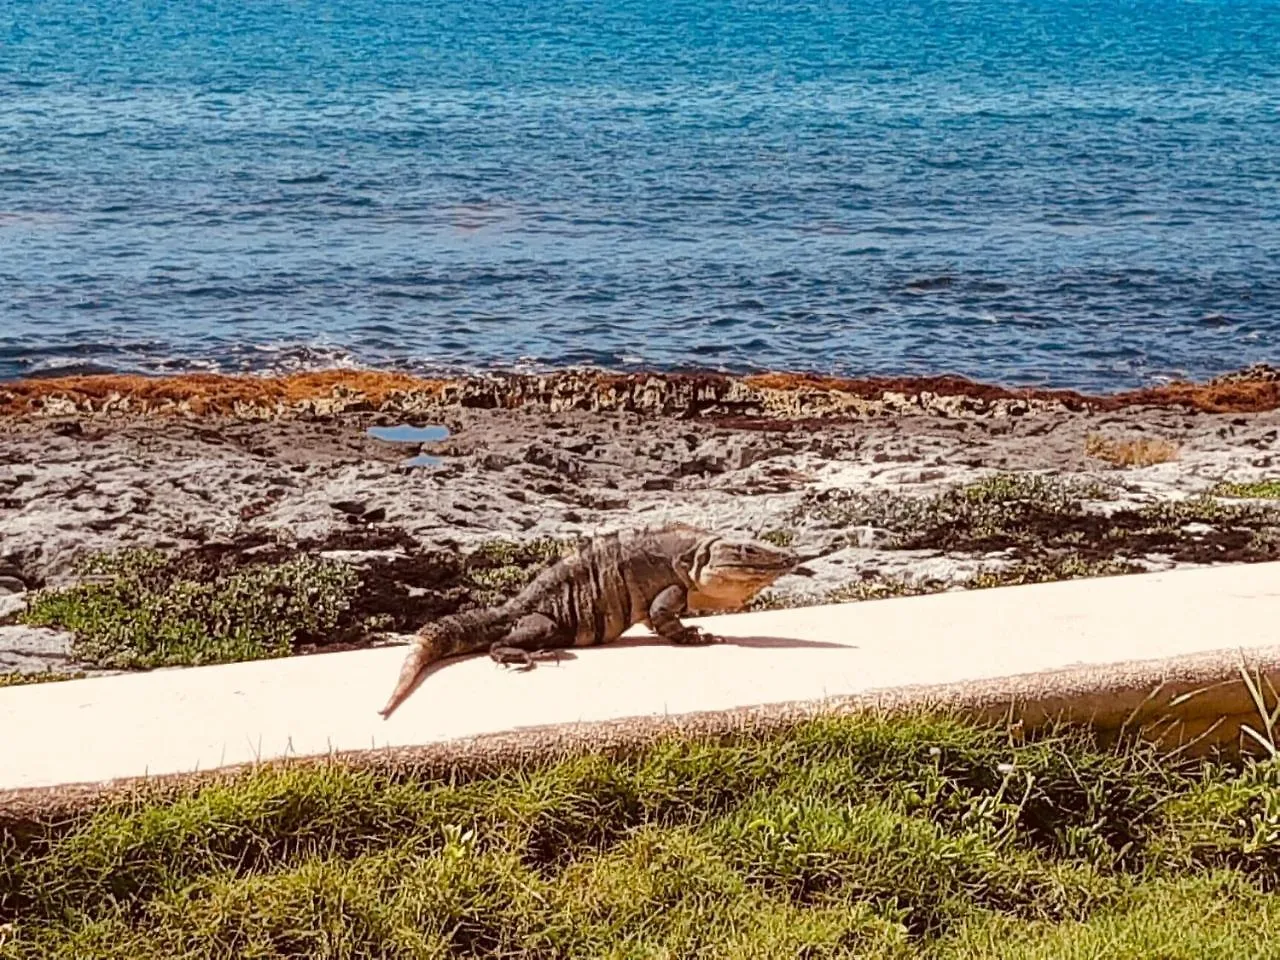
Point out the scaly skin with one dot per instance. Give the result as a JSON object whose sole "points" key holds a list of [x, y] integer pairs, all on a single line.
{"points": [[593, 596]]}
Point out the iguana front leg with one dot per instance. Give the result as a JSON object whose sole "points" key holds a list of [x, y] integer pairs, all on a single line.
{"points": [[532, 633], [664, 619]]}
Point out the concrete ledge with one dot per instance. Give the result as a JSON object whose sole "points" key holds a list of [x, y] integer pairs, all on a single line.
{"points": [[1115, 651]]}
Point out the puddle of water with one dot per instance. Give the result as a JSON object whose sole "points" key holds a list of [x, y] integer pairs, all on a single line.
{"points": [[408, 433]]}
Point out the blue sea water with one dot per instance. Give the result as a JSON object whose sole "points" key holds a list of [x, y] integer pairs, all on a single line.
{"points": [[1071, 192]]}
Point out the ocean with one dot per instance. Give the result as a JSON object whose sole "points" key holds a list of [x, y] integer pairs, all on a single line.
{"points": [[1077, 193]]}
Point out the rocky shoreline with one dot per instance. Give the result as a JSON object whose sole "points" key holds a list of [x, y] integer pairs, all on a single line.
{"points": [[778, 396], [884, 487]]}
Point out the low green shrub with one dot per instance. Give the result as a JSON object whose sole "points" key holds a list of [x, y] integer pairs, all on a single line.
{"points": [[140, 609]]}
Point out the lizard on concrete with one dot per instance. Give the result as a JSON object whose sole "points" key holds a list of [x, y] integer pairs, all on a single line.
{"points": [[593, 595]]}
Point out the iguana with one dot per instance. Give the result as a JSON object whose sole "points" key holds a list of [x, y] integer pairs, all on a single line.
{"points": [[593, 595]]}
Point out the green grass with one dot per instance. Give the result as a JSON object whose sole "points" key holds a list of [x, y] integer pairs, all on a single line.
{"points": [[1255, 490], [1213, 917], [856, 836], [143, 609]]}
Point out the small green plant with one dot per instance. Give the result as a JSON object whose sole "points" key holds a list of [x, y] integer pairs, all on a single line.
{"points": [[141, 609], [883, 588], [998, 505], [1070, 567], [779, 537], [1041, 570], [502, 567], [1014, 487], [520, 552], [15, 678], [1040, 516], [1204, 508], [1253, 490], [856, 591]]}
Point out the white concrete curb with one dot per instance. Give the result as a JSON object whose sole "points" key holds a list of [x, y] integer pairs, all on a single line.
{"points": [[179, 721]]}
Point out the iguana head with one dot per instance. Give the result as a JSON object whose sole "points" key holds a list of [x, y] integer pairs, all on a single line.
{"points": [[726, 574]]}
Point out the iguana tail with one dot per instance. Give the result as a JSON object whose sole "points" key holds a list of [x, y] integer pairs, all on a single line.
{"points": [[468, 632]]}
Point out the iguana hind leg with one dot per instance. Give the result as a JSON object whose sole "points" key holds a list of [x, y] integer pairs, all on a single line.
{"points": [[664, 619], [533, 633]]}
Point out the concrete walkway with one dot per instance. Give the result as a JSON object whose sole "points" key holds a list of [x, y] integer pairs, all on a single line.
{"points": [[1053, 644]]}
